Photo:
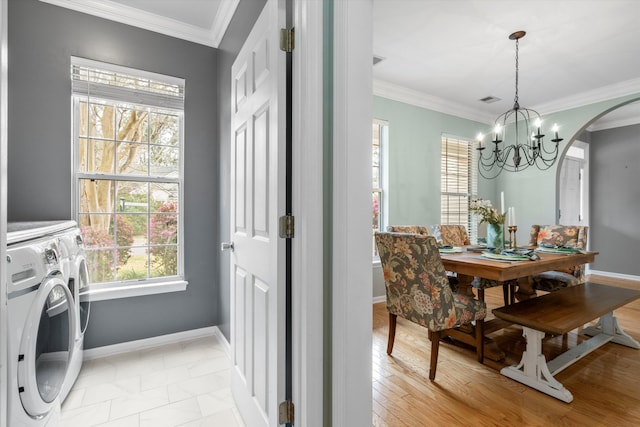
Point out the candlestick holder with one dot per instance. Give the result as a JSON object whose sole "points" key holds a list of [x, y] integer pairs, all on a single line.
{"points": [[512, 236]]}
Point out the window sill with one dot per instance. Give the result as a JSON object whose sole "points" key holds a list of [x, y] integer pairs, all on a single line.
{"points": [[103, 293]]}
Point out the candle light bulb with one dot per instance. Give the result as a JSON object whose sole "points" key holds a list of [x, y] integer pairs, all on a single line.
{"points": [[497, 130], [555, 129], [480, 137]]}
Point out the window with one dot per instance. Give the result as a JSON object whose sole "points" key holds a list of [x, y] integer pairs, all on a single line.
{"points": [[127, 181], [379, 137], [459, 183]]}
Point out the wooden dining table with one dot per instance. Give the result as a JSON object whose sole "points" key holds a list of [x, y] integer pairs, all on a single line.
{"points": [[470, 264]]}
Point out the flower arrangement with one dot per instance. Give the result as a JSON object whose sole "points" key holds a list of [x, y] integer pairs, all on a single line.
{"points": [[486, 211]]}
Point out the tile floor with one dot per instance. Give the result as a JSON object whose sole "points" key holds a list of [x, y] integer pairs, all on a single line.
{"points": [[184, 384]]}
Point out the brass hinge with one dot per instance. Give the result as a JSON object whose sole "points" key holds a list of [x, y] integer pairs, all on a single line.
{"points": [[286, 412], [287, 226], [287, 39]]}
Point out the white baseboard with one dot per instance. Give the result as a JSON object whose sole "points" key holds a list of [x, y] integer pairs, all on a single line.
{"points": [[126, 347], [614, 275], [223, 340], [379, 299]]}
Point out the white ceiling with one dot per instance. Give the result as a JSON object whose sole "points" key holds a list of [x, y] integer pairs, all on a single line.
{"points": [[447, 54], [457, 51]]}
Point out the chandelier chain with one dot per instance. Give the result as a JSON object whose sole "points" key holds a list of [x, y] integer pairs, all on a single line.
{"points": [[515, 101]]}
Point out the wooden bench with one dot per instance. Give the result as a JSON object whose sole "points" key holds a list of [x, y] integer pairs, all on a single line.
{"points": [[558, 313]]}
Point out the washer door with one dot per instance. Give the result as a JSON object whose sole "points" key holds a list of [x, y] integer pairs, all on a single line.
{"points": [[47, 341], [83, 296]]}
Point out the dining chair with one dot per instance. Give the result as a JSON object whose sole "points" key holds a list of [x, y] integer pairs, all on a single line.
{"points": [[413, 229], [456, 235], [559, 235], [451, 234], [417, 290]]}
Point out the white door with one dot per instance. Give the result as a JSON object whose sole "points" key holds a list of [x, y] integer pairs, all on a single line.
{"points": [[570, 183], [257, 200], [573, 186]]}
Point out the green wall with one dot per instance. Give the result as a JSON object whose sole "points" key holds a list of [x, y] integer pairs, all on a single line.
{"points": [[414, 163], [413, 171]]}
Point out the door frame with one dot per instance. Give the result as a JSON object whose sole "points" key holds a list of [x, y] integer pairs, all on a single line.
{"points": [[352, 287], [3, 215], [336, 390], [308, 243]]}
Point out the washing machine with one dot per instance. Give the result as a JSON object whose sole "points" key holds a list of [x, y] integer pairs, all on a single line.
{"points": [[42, 323], [75, 274]]}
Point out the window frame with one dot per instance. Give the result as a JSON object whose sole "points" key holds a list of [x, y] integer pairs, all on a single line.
{"points": [[383, 142], [149, 285], [471, 192]]}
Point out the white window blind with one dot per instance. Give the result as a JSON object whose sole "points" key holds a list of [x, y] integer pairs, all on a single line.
{"points": [[119, 83], [459, 183]]}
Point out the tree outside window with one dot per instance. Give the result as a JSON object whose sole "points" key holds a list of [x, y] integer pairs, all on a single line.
{"points": [[128, 175]]}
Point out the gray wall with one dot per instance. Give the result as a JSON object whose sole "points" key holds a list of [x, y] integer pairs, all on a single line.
{"points": [[241, 24], [615, 199], [42, 37]]}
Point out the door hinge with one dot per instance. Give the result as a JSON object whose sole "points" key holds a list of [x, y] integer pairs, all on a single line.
{"points": [[286, 412], [287, 226], [287, 39]]}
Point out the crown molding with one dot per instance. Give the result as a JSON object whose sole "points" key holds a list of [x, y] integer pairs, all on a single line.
{"points": [[593, 96], [604, 124], [149, 21], [222, 20], [419, 99]]}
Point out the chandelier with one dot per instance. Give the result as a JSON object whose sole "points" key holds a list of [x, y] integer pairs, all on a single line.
{"points": [[527, 147]]}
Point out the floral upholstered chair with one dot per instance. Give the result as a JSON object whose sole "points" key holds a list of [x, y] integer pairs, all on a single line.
{"points": [[413, 229], [559, 235], [454, 235], [418, 290]]}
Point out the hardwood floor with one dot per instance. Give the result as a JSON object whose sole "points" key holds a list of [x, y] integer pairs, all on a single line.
{"points": [[605, 384]]}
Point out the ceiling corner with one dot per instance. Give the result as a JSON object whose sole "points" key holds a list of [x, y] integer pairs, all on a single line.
{"points": [[222, 20]]}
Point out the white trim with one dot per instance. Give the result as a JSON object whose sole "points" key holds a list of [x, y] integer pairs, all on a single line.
{"points": [[114, 291], [308, 247], [379, 299], [590, 97], [419, 99], [222, 20], [351, 322], [223, 341], [615, 275], [146, 343], [150, 21], [605, 124], [4, 376]]}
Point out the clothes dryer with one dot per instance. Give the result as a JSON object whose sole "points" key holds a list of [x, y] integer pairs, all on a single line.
{"points": [[75, 273], [42, 325]]}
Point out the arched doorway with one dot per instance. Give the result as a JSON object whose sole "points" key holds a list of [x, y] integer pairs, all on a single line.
{"points": [[596, 187]]}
